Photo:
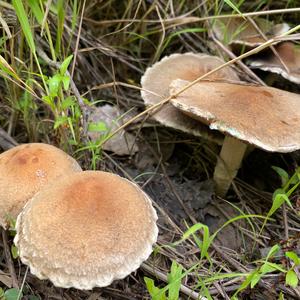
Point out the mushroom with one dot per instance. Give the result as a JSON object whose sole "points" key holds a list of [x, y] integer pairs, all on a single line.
{"points": [[290, 55], [265, 117], [187, 66], [240, 33], [87, 230], [26, 169]]}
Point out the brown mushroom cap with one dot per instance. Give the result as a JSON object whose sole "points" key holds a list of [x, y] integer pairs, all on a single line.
{"points": [[290, 55], [24, 170], [188, 66], [89, 229], [266, 117], [238, 32]]}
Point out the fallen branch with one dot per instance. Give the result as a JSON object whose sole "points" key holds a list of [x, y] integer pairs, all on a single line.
{"points": [[6, 141]]}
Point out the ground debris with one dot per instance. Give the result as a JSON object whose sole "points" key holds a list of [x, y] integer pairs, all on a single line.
{"points": [[106, 119]]}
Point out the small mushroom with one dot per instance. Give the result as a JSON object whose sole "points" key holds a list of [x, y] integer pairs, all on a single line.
{"points": [[265, 117], [87, 230], [187, 66], [240, 33], [24, 170], [290, 55]]}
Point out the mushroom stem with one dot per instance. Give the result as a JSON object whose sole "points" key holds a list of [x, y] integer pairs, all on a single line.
{"points": [[228, 164]]}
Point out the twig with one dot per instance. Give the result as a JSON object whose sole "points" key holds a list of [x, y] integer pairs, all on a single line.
{"points": [[5, 26], [23, 283], [6, 141], [162, 38], [6, 5], [9, 260], [294, 292], [231, 288], [271, 46], [117, 166], [240, 63], [48, 4], [221, 290]]}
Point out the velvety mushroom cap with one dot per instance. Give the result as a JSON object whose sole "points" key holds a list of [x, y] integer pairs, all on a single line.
{"points": [[89, 229], [27, 168], [237, 31], [188, 66], [266, 117], [290, 55]]}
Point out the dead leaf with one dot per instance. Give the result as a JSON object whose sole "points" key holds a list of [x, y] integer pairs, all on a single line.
{"points": [[217, 215], [110, 118], [5, 279]]}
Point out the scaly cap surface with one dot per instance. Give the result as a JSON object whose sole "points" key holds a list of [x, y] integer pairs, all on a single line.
{"points": [[187, 66], [89, 229], [27, 168], [266, 117]]}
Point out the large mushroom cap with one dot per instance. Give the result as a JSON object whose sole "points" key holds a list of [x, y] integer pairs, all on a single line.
{"points": [[266, 117], [188, 66], [24, 170], [88, 230], [290, 55]]}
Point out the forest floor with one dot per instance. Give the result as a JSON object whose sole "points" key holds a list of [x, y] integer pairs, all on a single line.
{"points": [[113, 43]]}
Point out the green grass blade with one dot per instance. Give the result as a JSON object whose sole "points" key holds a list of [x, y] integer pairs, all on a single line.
{"points": [[65, 64], [174, 279], [22, 17], [60, 25], [233, 6], [75, 12], [36, 10], [39, 15]]}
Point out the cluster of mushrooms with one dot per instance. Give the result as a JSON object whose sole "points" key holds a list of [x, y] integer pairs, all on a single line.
{"points": [[264, 117], [87, 228], [77, 228]]}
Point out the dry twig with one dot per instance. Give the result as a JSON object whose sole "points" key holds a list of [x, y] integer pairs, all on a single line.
{"points": [[9, 260]]}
